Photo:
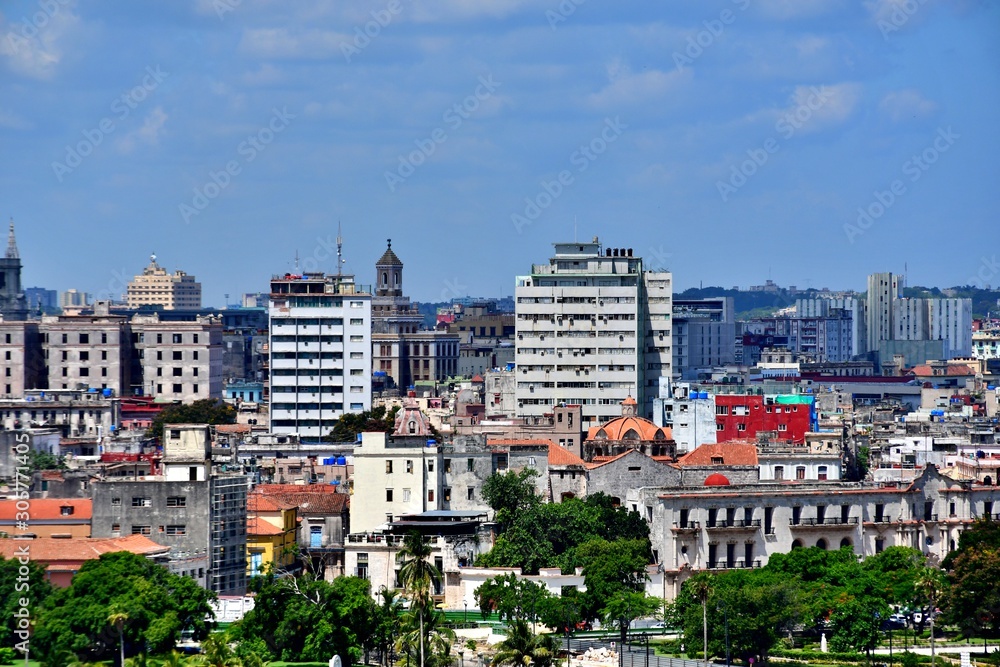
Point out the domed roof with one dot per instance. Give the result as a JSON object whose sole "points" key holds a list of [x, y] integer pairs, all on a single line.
{"points": [[715, 479], [629, 428]]}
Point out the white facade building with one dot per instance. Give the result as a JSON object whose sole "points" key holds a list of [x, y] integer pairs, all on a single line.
{"points": [[178, 361], [951, 321], [883, 289], [593, 327], [321, 352]]}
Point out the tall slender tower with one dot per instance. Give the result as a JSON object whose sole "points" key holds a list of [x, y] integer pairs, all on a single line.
{"points": [[13, 303]]}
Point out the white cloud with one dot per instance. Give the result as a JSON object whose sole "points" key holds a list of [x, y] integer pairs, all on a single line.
{"points": [[12, 121], [906, 104], [284, 43], [32, 45], [149, 133], [626, 88]]}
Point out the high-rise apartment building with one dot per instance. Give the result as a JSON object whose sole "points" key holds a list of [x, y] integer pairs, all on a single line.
{"points": [[92, 350], [704, 334], [156, 287], [951, 321], [593, 327], [848, 307], [21, 363], [73, 298], [883, 289], [321, 352]]}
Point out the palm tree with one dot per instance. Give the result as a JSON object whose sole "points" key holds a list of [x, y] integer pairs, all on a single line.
{"points": [[417, 574], [702, 589], [522, 648], [117, 619], [217, 653], [174, 659], [929, 583], [137, 661], [426, 628]]}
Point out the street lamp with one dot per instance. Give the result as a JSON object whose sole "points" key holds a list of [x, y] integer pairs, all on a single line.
{"points": [[466, 603]]}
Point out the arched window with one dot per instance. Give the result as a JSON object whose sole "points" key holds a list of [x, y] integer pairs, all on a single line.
{"points": [[413, 426], [846, 542], [821, 543], [631, 434], [395, 277], [385, 279], [796, 544], [988, 481]]}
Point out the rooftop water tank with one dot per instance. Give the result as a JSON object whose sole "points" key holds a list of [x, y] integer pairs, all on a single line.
{"points": [[342, 460]]}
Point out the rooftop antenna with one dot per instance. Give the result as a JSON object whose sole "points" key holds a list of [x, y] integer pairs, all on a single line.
{"points": [[340, 246]]}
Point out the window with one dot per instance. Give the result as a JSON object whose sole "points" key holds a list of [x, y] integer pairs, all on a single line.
{"points": [[800, 472], [84, 339], [720, 426], [409, 467], [104, 355], [388, 495], [470, 493], [177, 339], [357, 339], [446, 493], [178, 355], [741, 427], [779, 472], [176, 501], [67, 510], [178, 371], [142, 530], [469, 465], [159, 355], [178, 388], [821, 472], [141, 501], [357, 321], [84, 356], [84, 372], [104, 339], [430, 496], [177, 530], [406, 495], [722, 410], [430, 466], [357, 355], [782, 427], [447, 464]]}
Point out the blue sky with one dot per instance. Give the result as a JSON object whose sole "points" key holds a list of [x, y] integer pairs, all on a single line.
{"points": [[729, 141]]}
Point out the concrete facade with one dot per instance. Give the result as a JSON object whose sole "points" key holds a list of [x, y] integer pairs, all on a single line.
{"points": [[320, 352], [156, 287], [593, 327], [704, 334], [177, 361], [91, 350], [22, 365]]}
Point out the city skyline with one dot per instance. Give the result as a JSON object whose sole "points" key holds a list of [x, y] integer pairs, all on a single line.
{"points": [[822, 142]]}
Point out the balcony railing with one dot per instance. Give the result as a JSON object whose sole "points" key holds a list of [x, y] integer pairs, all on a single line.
{"points": [[930, 517], [882, 519], [825, 521], [733, 523], [375, 538], [690, 525], [736, 563]]}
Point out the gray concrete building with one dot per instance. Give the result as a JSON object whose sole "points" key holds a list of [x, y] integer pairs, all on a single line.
{"points": [[198, 512], [177, 360], [88, 350], [704, 332]]}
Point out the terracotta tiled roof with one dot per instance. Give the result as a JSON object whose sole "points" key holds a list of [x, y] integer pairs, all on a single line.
{"points": [[925, 370], [629, 428], [477, 378], [258, 526], [232, 428], [560, 456], [53, 476], [270, 489], [258, 502], [47, 509], [314, 503], [731, 455], [51, 550]]}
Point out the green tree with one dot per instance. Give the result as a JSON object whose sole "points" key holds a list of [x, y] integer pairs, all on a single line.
{"points": [[378, 419], [626, 606], [44, 461], [418, 575], [512, 598], [117, 620], [426, 639], [158, 605], [34, 589], [386, 623], [857, 624], [610, 568], [304, 618], [511, 494], [523, 648], [204, 411], [217, 653], [973, 599]]}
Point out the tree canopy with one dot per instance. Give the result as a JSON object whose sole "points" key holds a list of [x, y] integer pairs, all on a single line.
{"points": [[304, 618], [972, 599], [350, 424], [204, 411], [156, 603]]}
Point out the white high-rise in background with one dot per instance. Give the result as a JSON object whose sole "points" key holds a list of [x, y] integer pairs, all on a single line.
{"points": [[321, 352], [883, 289], [951, 321], [592, 328]]}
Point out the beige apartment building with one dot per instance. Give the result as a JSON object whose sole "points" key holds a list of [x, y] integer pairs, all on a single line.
{"points": [[156, 287], [21, 363], [91, 350]]}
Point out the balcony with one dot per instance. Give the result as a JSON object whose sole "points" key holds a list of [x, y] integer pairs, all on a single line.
{"points": [[822, 523], [930, 518], [689, 527], [736, 563], [734, 524], [375, 538]]}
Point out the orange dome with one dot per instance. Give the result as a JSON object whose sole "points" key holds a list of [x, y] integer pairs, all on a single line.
{"points": [[715, 479], [629, 428]]}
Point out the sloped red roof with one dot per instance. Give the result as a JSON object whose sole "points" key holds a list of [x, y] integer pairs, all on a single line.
{"points": [[560, 456], [232, 428], [270, 489], [258, 526], [49, 549], [731, 455], [42, 509], [258, 502], [518, 442], [314, 503], [925, 370]]}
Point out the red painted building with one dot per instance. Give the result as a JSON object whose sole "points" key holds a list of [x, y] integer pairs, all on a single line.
{"points": [[741, 417]]}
